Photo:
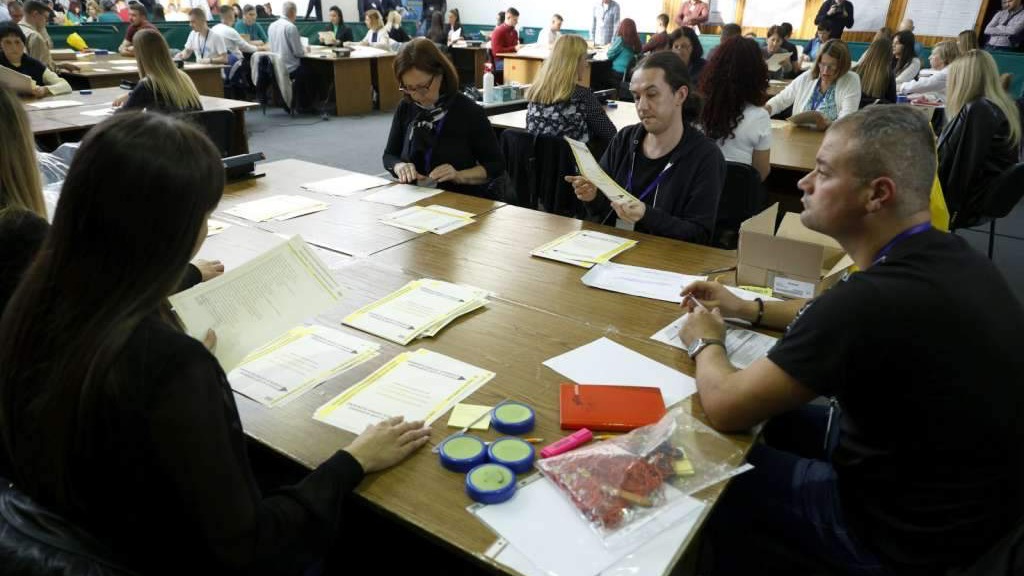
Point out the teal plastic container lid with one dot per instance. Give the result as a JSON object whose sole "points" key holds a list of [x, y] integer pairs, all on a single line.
{"points": [[491, 483], [462, 453], [515, 453], [513, 418]]}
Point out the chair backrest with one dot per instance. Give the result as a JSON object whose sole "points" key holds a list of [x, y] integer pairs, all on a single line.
{"points": [[536, 166], [1005, 193], [742, 197], [219, 125]]}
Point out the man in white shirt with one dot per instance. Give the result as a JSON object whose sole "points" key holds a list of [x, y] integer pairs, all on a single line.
{"points": [[208, 47], [5, 15], [548, 36], [232, 39]]}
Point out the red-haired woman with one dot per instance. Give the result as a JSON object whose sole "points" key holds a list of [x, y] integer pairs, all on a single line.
{"points": [[735, 84], [624, 49]]}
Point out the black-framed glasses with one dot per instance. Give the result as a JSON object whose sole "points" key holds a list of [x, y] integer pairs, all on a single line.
{"points": [[421, 89]]}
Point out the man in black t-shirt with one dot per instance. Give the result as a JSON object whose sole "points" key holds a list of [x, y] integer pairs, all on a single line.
{"points": [[921, 470]]}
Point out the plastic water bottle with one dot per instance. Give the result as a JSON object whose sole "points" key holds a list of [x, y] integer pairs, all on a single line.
{"points": [[488, 84]]}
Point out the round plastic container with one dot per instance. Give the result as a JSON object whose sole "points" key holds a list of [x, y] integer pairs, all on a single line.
{"points": [[513, 418], [515, 453], [462, 453], [491, 483]]}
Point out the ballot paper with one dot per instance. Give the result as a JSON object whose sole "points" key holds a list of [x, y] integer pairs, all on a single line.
{"points": [[605, 362], [401, 195], [584, 248], [19, 83], [775, 61], [434, 218], [299, 360], [100, 112], [418, 309], [744, 347], [591, 170], [420, 385], [255, 303], [214, 227], [279, 207], [51, 104], [807, 119], [638, 281], [346, 185], [539, 525]]}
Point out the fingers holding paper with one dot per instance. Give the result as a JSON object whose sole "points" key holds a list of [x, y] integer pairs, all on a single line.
{"points": [[387, 443], [702, 323], [209, 269], [444, 173], [584, 189], [210, 340], [407, 173], [631, 211]]}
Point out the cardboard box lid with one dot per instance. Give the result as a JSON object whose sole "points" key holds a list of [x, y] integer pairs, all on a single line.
{"points": [[793, 250]]}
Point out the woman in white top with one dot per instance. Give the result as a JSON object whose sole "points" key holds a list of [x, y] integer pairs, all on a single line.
{"points": [[934, 86], [376, 35], [735, 85], [905, 62], [454, 26], [829, 88]]}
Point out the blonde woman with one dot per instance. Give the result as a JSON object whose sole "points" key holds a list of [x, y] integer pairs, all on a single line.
{"points": [[376, 35], [22, 210], [394, 28], [163, 87], [967, 41], [559, 105], [934, 86], [980, 141], [829, 88], [877, 80]]}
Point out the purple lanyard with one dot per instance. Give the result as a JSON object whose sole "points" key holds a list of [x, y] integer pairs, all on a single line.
{"points": [[650, 187], [429, 157], [884, 252]]}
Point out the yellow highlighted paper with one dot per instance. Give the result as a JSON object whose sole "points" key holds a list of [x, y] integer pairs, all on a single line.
{"points": [[584, 248]]}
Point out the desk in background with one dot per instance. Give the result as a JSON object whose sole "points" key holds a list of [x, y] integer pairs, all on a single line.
{"points": [[100, 72], [354, 77], [524, 68], [469, 63]]}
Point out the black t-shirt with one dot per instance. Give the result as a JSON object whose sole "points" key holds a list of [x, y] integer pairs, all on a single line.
{"points": [[645, 171], [923, 353], [29, 67]]}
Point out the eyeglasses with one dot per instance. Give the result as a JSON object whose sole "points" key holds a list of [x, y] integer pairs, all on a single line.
{"points": [[825, 66], [421, 89]]}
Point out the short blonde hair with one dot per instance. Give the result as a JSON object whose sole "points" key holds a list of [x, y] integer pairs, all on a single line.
{"points": [[947, 51], [395, 19], [973, 76], [560, 72], [20, 186]]}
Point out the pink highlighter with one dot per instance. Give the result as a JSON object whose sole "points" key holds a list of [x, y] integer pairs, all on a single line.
{"points": [[570, 442]]}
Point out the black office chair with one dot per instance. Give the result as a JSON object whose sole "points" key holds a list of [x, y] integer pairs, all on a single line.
{"points": [[219, 125], [742, 197], [536, 166], [1005, 194], [36, 542]]}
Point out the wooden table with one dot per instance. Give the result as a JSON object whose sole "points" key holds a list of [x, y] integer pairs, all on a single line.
{"points": [[793, 148], [72, 122], [541, 310], [469, 63], [99, 72], [777, 86], [524, 68], [354, 77]]}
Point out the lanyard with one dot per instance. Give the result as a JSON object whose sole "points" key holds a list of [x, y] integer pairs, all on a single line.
{"points": [[913, 231], [816, 96], [202, 47], [650, 187], [429, 158]]}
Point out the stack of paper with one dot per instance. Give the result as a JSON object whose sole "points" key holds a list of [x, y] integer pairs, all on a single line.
{"points": [[584, 248], [743, 346], [420, 385], [99, 112], [280, 207], [402, 195], [420, 309], [345, 185], [214, 227], [436, 219], [638, 281], [258, 301], [51, 104], [298, 361]]}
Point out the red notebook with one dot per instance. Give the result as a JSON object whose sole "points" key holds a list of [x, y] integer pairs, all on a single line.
{"points": [[610, 408]]}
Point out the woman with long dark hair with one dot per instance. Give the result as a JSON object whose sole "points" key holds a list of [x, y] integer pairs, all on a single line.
{"points": [[905, 62], [111, 415], [735, 86], [624, 49]]}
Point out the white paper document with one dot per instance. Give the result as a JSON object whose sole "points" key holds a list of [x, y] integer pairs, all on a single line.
{"points": [[744, 347], [401, 195], [298, 361], [610, 363], [775, 61], [345, 185], [436, 219], [639, 281], [257, 302], [19, 83], [51, 104], [100, 112], [279, 207], [584, 248], [547, 536], [236, 244], [420, 385], [214, 227], [591, 170], [420, 308]]}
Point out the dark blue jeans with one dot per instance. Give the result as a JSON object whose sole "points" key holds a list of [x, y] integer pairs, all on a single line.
{"points": [[784, 516]]}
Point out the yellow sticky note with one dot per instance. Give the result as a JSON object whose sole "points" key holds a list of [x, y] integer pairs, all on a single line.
{"points": [[465, 414]]}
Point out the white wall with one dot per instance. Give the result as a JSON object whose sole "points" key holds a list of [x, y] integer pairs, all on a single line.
{"points": [[350, 8], [537, 13]]}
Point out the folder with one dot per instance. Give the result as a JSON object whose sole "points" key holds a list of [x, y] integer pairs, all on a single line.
{"points": [[609, 408]]}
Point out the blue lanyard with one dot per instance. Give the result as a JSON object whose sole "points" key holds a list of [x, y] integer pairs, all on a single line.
{"points": [[650, 187], [202, 47], [913, 231], [429, 158], [817, 97]]}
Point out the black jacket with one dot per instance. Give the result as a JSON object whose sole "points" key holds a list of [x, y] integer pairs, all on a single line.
{"points": [[21, 235], [836, 22], [974, 150], [686, 203]]}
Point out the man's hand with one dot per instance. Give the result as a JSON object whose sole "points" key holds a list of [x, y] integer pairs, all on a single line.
{"points": [[700, 323], [631, 211], [583, 188]]}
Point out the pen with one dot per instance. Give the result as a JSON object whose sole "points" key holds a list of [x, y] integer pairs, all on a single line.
{"points": [[718, 270]]}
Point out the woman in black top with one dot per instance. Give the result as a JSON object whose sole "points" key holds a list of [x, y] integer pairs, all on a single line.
{"points": [[111, 415], [163, 87], [686, 44], [438, 133], [342, 33]]}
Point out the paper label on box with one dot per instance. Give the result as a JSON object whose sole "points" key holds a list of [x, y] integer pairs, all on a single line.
{"points": [[793, 288]]}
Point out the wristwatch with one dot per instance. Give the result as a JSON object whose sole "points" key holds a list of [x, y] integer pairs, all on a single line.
{"points": [[700, 344]]}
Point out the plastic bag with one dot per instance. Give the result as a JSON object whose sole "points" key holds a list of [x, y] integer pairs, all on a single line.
{"points": [[631, 487]]}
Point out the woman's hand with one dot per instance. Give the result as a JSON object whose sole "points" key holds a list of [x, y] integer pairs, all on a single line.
{"points": [[387, 443], [209, 269], [119, 101], [631, 211], [444, 173], [40, 91]]}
